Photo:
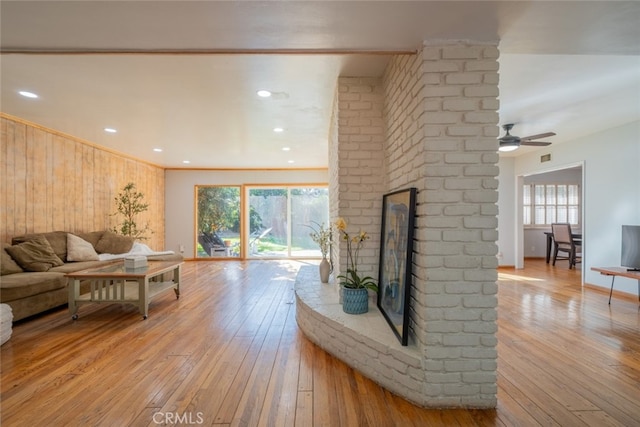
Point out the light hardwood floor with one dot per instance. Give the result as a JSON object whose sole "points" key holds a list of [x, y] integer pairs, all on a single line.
{"points": [[229, 352]]}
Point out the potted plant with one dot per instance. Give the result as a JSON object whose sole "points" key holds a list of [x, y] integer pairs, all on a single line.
{"points": [[355, 288], [129, 203], [323, 237]]}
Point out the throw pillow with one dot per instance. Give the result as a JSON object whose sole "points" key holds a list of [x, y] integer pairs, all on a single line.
{"points": [[34, 255], [57, 240], [8, 264], [79, 249], [112, 243], [92, 237]]}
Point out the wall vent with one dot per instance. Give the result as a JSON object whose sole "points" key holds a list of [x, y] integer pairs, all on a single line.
{"points": [[545, 158]]}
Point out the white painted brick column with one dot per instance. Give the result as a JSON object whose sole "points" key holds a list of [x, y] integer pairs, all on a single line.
{"points": [[431, 123], [357, 151], [334, 180], [441, 111], [459, 225]]}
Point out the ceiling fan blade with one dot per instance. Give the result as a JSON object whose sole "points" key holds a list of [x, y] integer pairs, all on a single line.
{"points": [[536, 143], [538, 136]]}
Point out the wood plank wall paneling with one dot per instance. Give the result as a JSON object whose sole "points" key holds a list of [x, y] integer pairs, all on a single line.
{"points": [[55, 182]]}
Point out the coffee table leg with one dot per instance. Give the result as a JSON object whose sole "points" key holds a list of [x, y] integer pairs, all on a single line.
{"points": [[143, 294], [176, 280], [74, 292]]}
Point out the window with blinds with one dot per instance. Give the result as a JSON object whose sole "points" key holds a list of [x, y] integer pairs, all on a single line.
{"points": [[545, 204]]}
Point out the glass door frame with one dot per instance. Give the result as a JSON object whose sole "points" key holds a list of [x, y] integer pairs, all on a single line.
{"points": [[289, 186]]}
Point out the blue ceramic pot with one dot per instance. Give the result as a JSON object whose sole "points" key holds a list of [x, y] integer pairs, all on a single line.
{"points": [[355, 301]]}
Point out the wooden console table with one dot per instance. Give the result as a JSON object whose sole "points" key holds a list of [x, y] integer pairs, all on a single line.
{"points": [[113, 283], [618, 271]]}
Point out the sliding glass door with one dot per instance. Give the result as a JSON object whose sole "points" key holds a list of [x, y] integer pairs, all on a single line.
{"points": [[309, 209], [269, 232], [282, 217], [270, 221], [218, 221]]}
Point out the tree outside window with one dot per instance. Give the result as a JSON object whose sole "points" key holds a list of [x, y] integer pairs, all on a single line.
{"points": [[218, 221]]}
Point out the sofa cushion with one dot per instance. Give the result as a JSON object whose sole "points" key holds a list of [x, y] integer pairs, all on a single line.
{"points": [[57, 240], [72, 267], [34, 255], [112, 243], [7, 264], [79, 249], [92, 237], [166, 257], [23, 285]]}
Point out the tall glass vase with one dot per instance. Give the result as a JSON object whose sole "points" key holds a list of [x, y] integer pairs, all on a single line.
{"points": [[324, 269]]}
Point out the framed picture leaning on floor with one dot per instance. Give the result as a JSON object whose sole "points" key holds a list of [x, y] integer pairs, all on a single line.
{"points": [[396, 251]]}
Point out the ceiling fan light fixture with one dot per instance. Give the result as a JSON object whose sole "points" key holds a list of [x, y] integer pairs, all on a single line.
{"points": [[511, 142], [505, 148], [28, 94]]}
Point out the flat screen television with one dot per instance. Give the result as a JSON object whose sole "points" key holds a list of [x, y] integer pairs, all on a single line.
{"points": [[631, 247]]}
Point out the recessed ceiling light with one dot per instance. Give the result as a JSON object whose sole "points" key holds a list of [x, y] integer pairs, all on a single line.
{"points": [[264, 93], [110, 130], [286, 148], [186, 162], [158, 150], [278, 129], [291, 161], [27, 94]]}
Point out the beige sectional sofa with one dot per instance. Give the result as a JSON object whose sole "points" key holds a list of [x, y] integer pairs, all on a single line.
{"points": [[33, 267]]}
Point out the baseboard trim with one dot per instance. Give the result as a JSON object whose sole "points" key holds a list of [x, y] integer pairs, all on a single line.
{"points": [[616, 293]]}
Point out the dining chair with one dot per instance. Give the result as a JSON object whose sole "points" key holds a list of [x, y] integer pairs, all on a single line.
{"points": [[563, 242]]}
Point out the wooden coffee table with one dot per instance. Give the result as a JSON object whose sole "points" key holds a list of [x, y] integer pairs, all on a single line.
{"points": [[113, 283]]}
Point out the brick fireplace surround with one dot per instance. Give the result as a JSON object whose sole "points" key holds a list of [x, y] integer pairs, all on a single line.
{"points": [[430, 122]]}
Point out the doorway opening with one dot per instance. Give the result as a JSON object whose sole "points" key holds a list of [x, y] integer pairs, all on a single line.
{"points": [[544, 198]]}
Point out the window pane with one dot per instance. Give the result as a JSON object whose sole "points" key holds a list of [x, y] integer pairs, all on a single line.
{"points": [[539, 194], [218, 213], [526, 194], [573, 195], [551, 195], [268, 222], [539, 215], [551, 215], [574, 215], [562, 194], [552, 203], [309, 208], [562, 214]]}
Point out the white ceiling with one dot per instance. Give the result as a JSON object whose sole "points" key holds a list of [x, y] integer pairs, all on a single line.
{"points": [[183, 76]]}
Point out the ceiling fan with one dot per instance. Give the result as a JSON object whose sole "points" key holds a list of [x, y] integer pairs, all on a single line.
{"points": [[510, 142]]}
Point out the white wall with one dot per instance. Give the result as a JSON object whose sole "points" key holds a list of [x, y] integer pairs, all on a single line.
{"points": [[506, 212], [180, 196], [611, 193]]}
